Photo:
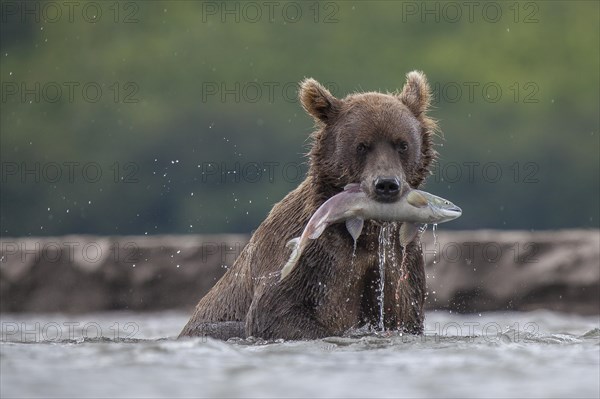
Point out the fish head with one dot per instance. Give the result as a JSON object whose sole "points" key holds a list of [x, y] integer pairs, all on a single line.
{"points": [[441, 209]]}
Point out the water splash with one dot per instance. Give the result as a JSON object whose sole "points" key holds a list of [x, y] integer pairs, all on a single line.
{"points": [[434, 229], [562, 342], [384, 243], [351, 264], [392, 255]]}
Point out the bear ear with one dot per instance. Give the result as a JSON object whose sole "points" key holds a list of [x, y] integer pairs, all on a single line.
{"points": [[318, 101], [416, 93]]}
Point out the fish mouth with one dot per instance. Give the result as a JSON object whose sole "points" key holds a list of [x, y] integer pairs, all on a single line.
{"points": [[450, 213], [456, 209]]}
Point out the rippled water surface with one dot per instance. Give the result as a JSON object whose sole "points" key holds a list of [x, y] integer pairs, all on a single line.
{"points": [[538, 354]]}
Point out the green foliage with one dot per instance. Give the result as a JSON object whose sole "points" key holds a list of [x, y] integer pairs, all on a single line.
{"points": [[157, 126]]}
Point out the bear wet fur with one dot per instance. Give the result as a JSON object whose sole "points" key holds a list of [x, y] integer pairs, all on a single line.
{"points": [[364, 138]]}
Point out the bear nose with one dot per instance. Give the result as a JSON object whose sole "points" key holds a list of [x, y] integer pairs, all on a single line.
{"points": [[387, 187]]}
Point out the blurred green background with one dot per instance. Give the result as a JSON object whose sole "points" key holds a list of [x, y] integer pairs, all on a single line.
{"points": [[181, 117]]}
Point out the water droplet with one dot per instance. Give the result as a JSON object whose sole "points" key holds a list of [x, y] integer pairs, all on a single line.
{"points": [[385, 238]]}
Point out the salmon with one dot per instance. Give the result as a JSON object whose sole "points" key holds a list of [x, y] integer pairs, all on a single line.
{"points": [[353, 206]]}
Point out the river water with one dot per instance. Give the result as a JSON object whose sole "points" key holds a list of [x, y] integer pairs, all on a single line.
{"points": [[534, 354]]}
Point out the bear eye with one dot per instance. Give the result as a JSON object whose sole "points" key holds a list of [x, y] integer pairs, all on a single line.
{"points": [[402, 146], [362, 148]]}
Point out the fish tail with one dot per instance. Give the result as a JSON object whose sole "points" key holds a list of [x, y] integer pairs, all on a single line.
{"points": [[287, 268], [292, 244]]}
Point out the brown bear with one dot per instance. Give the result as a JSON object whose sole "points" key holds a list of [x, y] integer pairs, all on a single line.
{"points": [[384, 142]]}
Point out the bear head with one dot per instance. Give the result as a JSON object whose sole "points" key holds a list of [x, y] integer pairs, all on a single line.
{"points": [[382, 141]]}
